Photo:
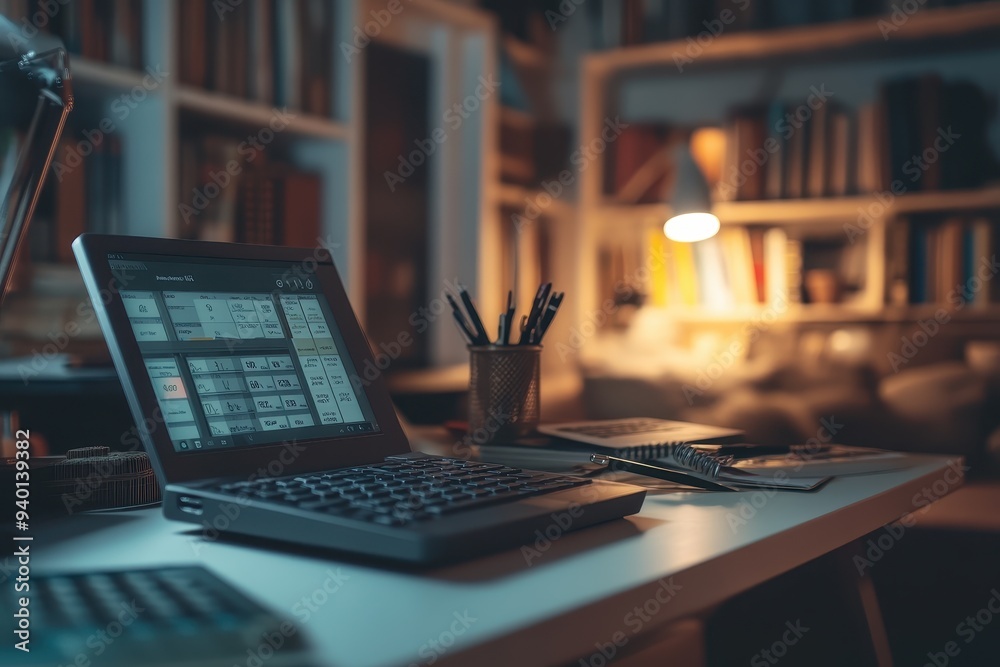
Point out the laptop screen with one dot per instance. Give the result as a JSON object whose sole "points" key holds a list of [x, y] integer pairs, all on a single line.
{"points": [[240, 353]]}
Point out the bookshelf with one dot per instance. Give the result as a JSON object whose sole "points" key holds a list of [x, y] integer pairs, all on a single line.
{"points": [[804, 53], [150, 129], [460, 42]]}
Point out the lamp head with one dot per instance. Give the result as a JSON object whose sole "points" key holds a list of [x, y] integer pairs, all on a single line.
{"points": [[691, 205]]}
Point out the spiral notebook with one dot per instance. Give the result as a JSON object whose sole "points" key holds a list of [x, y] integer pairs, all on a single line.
{"points": [[640, 437], [664, 442]]}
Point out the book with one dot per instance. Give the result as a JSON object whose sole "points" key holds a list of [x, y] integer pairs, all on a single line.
{"points": [[749, 137], [806, 461], [192, 14], [949, 259], [288, 67], [983, 240], [757, 257], [299, 199], [817, 170], [928, 122], [774, 170], [898, 100], [775, 273], [897, 264], [870, 163], [687, 277], [739, 264], [656, 248], [917, 262], [795, 163], [713, 286], [841, 148]]}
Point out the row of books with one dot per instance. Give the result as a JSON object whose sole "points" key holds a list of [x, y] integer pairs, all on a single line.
{"points": [[263, 202], [738, 267], [277, 52], [105, 30], [937, 134], [794, 151], [82, 193], [617, 23], [944, 259], [921, 134]]}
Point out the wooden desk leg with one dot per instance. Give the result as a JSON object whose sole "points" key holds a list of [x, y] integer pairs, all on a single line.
{"points": [[860, 594]]}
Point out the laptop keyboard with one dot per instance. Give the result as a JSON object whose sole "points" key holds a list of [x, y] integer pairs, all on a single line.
{"points": [[163, 616], [402, 490]]}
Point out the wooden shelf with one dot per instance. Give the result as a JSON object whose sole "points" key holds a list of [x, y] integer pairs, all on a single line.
{"points": [[926, 24], [103, 76], [808, 211], [832, 313], [518, 197], [245, 112]]}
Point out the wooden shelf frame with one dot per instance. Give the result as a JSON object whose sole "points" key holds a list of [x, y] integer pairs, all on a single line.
{"points": [[831, 313], [850, 35], [810, 211], [222, 106]]}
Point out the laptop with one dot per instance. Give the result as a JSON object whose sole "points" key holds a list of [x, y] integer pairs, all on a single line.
{"points": [[241, 366]]}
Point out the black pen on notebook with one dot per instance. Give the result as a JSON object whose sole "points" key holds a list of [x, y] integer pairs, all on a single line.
{"points": [[659, 472]]}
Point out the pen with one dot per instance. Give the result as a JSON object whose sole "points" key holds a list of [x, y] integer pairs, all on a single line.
{"points": [[659, 472], [549, 314], [481, 337], [536, 309], [502, 329], [508, 318], [458, 312], [469, 336]]}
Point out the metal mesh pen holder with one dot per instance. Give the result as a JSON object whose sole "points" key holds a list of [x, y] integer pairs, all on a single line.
{"points": [[504, 396]]}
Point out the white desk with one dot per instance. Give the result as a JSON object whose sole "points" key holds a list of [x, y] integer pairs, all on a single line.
{"points": [[581, 590]]}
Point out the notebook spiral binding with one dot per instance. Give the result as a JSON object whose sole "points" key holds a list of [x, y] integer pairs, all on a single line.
{"points": [[680, 454]]}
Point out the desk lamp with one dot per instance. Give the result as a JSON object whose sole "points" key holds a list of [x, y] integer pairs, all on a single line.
{"points": [[35, 98], [691, 204]]}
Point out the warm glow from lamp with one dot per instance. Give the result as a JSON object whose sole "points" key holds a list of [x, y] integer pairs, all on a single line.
{"points": [[691, 203], [691, 227]]}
